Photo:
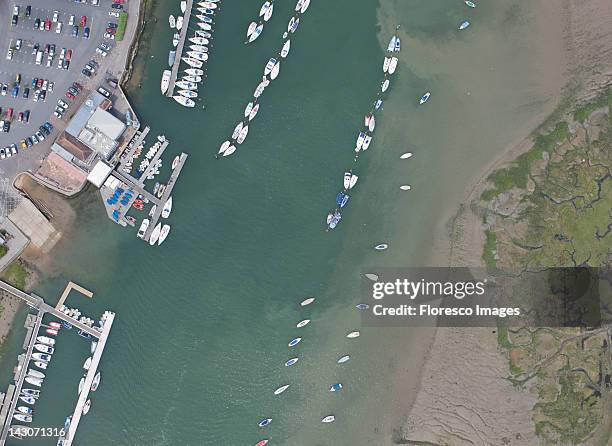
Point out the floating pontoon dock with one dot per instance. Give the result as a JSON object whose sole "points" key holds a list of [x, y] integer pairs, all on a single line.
{"points": [[179, 48]]}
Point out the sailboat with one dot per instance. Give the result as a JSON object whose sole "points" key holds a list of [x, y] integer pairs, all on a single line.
{"points": [[386, 63], [268, 68], [281, 389], [285, 50], [243, 134], [304, 7], [185, 102], [163, 234], [199, 48], [198, 55], [393, 65], [268, 13], [264, 8], [275, 71], [255, 33], [237, 130], [172, 21], [192, 62], [196, 79], [165, 81], [194, 71], [205, 34], [155, 234], [96, 382], [231, 149], [179, 23], [391, 45], [186, 85], [199, 40], [188, 93], [183, 6], [167, 208], [253, 112]]}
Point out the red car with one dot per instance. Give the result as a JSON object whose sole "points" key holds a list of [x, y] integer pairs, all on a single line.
{"points": [[119, 2], [69, 95], [20, 117], [39, 83], [68, 55], [9, 114], [83, 21], [47, 24]]}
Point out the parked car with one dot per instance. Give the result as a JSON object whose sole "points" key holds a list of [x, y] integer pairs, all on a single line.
{"points": [[36, 23], [86, 33], [104, 92], [13, 149], [55, 16], [83, 21], [69, 95], [77, 86], [58, 28], [71, 20], [75, 31], [109, 36], [28, 11], [26, 93], [4, 89], [68, 55], [26, 116], [9, 54], [15, 91], [18, 43], [47, 24], [113, 13]]}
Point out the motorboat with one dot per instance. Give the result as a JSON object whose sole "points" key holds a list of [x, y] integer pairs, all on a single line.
{"points": [[294, 342], [224, 147], [293, 24], [347, 180], [172, 21], [96, 382], [199, 40], [175, 161], [167, 208], [391, 45], [198, 55], [28, 399], [208, 4], [285, 50], [269, 66], [165, 81], [51, 331], [171, 57], [378, 104], [366, 142], [385, 85], [268, 14], [281, 389], [165, 230], [464, 25], [81, 384], [342, 199], [205, 11], [255, 33], [405, 187], [67, 422], [303, 323], [398, 44], [34, 381], [470, 4], [44, 348], [381, 246], [360, 139], [305, 5], [259, 90], [335, 387], [243, 134], [86, 407], [155, 234], [291, 362], [188, 93], [35, 374], [237, 130], [183, 6], [254, 112], [205, 34], [205, 24], [199, 48], [143, 228], [93, 346], [23, 417], [179, 22], [194, 71], [328, 419], [154, 207], [55, 325], [206, 20], [30, 392], [334, 220], [367, 119], [264, 8], [41, 364], [248, 108], [353, 335], [372, 123], [406, 155], [424, 98], [25, 409], [176, 39], [275, 71], [185, 102], [87, 363], [231, 149], [263, 442], [386, 63], [393, 65], [46, 340], [192, 62], [265, 422], [307, 301], [362, 306], [343, 359], [196, 79], [371, 276], [354, 179], [298, 5]]}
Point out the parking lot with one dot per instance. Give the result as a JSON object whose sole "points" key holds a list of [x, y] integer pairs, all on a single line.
{"points": [[39, 56]]}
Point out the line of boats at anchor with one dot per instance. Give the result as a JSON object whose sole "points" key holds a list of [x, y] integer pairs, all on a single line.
{"points": [[196, 56], [270, 73], [337, 387]]}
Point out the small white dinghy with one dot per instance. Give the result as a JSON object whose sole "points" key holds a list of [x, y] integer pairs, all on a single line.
{"points": [[406, 155], [353, 335], [328, 419], [385, 85], [285, 50], [343, 359], [373, 277], [405, 187], [281, 389], [307, 301], [303, 323], [381, 247]]}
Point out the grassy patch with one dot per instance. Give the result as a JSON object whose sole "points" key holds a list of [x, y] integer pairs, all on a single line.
{"points": [[3, 251], [123, 18], [16, 274], [489, 249]]}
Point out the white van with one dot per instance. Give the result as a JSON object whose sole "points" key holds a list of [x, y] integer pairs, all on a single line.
{"points": [[39, 57]]}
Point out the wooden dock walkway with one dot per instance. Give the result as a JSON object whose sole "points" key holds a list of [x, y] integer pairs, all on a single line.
{"points": [[132, 149], [179, 48]]}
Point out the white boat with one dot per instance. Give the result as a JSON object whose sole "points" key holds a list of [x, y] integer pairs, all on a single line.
{"points": [[51, 331], [385, 85], [198, 55], [176, 39], [265, 422], [303, 323], [41, 357], [281, 389], [96, 382], [143, 228], [307, 301], [44, 348], [192, 62], [256, 32], [293, 24], [175, 161], [391, 45], [354, 179], [199, 48], [424, 98], [259, 90], [398, 44], [237, 130], [393, 65], [275, 71], [199, 40], [163, 234], [202, 17], [470, 3], [231, 149], [253, 112], [305, 5], [28, 399], [81, 384], [155, 234], [183, 7], [196, 79], [34, 381], [406, 155], [41, 364], [205, 34], [335, 387], [93, 346], [464, 25], [381, 247], [86, 407], [185, 102], [224, 147], [343, 359], [172, 21], [207, 11], [347, 179], [36, 374], [386, 63], [294, 342], [366, 142], [268, 13], [209, 4], [188, 93], [25, 410], [23, 417], [179, 23], [285, 50], [298, 5], [87, 363], [353, 334], [165, 81], [372, 123], [194, 71], [247, 110], [205, 26], [264, 8], [251, 29], [269, 66], [243, 134], [405, 187], [167, 208], [360, 139], [46, 340], [291, 362], [373, 277], [31, 392], [328, 419]]}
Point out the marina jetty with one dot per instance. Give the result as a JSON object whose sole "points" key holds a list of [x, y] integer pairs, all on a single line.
{"points": [[45, 324]]}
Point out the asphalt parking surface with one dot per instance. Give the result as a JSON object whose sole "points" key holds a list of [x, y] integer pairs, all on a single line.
{"points": [[24, 63]]}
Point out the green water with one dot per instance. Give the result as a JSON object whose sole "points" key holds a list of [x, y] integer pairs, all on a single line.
{"points": [[203, 322]]}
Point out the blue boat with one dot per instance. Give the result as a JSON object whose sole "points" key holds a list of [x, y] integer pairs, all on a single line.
{"points": [[336, 387], [342, 199], [398, 44], [67, 325], [207, 19], [265, 422], [362, 306], [335, 220], [377, 104], [207, 11], [464, 25], [294, 342], [291, 362]]}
